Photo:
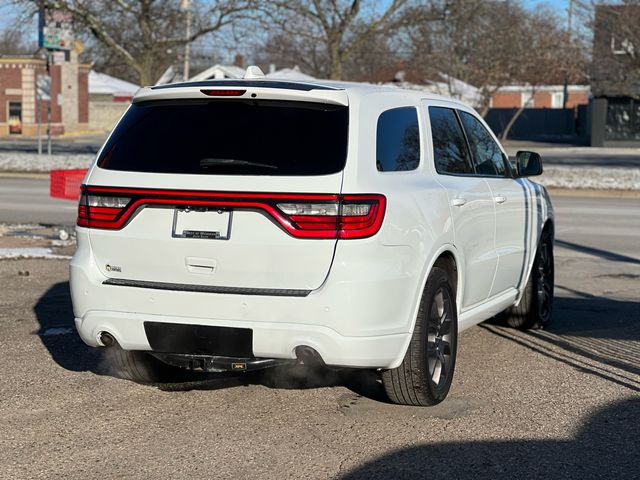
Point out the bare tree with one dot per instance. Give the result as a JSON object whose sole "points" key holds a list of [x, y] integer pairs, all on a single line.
{"points": [[144, 34], [492, 43], [374, 61], [330, 31], [284, 49], [12, 43], [548, 56], [616, 50]]}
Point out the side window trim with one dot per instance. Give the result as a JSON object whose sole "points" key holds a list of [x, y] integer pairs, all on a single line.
{"points": [[466, 141], [468, 160], [507, 167]]}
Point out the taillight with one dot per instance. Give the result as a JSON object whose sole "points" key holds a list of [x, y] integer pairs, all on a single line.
{"points": [[100, 211], [350, 216], [300, 215]]}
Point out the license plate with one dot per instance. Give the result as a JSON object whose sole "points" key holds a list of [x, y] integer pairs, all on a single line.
{"points": [[209, 224]]}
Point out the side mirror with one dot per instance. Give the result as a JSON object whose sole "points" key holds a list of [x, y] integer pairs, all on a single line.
{"points": [[528, 164]]}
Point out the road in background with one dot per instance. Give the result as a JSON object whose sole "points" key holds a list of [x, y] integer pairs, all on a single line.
{"points": [[608, 224], [27, 200], [578, 156], [597, 225]]}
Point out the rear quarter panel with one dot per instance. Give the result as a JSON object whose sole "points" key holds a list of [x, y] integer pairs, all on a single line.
{"points": [[417, 225]]}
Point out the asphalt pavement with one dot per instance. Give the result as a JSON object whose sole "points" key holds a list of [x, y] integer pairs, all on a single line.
{"points": [[558, 403], [27, 200]]}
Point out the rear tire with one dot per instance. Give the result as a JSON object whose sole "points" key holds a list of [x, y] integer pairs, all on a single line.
{"points": [[425, 375], [535, 307], [141, 367]]}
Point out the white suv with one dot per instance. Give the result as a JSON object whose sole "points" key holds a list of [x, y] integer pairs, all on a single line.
{"points": [[235, 225]]}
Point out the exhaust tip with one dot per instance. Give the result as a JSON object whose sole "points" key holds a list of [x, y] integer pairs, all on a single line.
{"points": [[309, 356], [107, 339]]}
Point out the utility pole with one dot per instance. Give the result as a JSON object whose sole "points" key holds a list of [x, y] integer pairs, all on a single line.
{"points": [[570, 18], [186, 5], [49, 59], [565, 96], [38, 112]]}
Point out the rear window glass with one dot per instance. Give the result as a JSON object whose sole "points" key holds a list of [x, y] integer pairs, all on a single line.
{"points": [[398, 140], [229, 138]]}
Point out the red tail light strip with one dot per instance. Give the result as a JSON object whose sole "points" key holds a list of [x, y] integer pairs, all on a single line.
{"points": [[299, 226]]}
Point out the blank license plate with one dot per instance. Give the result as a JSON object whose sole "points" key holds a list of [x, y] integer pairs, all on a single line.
{"points": [[212, 224]]}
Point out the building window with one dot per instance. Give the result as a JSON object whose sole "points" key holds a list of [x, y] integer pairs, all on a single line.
{"points": [[557, 100], [15, 118]]}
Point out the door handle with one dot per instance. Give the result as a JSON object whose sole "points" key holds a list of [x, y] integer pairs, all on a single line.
{"points": [[500, 199], [200, 265], [458, 202]]}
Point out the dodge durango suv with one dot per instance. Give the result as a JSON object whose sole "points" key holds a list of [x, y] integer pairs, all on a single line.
{"points": [[243, 224]]}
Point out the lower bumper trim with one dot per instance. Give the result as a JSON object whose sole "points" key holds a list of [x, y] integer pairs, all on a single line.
{"points": [[185, 287]]}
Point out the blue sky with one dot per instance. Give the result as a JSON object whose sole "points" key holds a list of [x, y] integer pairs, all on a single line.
{"points": [[8, 10], [560, 6]]}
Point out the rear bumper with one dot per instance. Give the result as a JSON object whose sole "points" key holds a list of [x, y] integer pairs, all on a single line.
{"points": [[361, 317], [270, 340]]}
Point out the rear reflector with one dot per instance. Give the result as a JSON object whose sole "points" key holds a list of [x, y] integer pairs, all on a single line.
{"points": [[223, 93], [300, 215]]}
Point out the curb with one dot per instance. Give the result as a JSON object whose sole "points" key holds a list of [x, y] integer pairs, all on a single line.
{"points": [[10, 174]]}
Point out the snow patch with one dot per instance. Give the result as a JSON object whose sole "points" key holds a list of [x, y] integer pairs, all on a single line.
{"points": [[35, 252], [595, 178], [32, 162]]}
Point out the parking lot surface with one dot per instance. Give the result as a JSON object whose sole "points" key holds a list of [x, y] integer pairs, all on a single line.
{"points": [[558, 403]]}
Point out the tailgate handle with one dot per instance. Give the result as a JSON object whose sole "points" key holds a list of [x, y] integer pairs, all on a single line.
{"points": [[200, 265]]}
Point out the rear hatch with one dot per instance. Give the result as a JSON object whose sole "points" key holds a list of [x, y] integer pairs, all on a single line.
{"points": [[222, 192]]}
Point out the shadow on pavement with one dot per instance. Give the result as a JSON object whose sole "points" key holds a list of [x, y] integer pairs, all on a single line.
{"points": [[597, 335], [597, 252], [607, 446], [57, 332]]}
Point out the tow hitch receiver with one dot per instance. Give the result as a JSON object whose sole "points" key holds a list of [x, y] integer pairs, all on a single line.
{"points": [[213, 363]]}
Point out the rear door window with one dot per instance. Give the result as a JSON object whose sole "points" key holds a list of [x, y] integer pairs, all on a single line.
{"points": [[485, 152], [219, 137], [398, 140], [450, 151]]}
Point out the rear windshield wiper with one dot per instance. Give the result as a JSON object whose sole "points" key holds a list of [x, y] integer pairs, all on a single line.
{"points": [[217, 162]]}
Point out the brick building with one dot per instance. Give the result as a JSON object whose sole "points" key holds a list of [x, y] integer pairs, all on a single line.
{"points": [[20, 108], [548, 96]]}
